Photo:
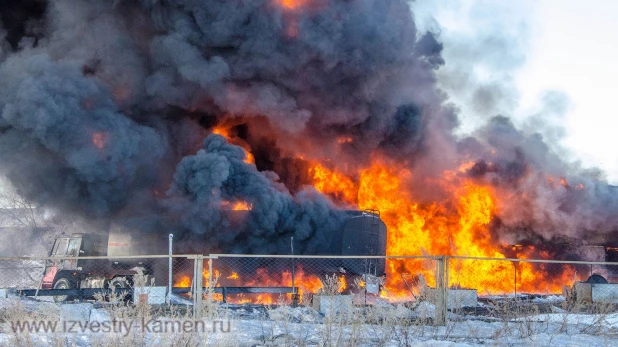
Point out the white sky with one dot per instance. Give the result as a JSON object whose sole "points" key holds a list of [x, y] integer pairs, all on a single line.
{"points": [[569, 46], [576, 51]]}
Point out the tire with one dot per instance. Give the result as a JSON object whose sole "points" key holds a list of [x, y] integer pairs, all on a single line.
{"points": [[123, 283], [119, 282], [63, 283]]}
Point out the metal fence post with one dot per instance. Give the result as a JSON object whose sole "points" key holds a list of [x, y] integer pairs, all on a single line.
{"points": [[169, 272], [194, 290], [211, 283], [440, 314], [197, 301], [294, 295], [446, 286], [515, 279]]}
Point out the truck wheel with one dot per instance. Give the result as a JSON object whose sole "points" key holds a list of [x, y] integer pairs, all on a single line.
{"points": [[122, 283], [119, 282], [63, 283]]}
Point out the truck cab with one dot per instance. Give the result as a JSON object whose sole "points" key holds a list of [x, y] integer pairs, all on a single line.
{"points": [[66, 268], [76, 245]]}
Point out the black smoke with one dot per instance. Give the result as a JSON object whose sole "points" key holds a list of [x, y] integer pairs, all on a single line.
{"points": [[22, 21], [102, 114], [107, 109]]}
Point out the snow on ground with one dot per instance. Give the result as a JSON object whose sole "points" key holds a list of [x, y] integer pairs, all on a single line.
{"points": [[255, 325]]}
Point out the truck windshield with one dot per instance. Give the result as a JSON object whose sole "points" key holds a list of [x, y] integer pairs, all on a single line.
{"points": [[60, 248]]}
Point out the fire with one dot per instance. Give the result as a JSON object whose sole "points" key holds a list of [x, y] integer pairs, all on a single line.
{"points": [[343, 285], [563, 182], [242, 206], [237, 206], [183, 282], [457, 225], [215, 276], [292, 4], [99, 139], [225, 132], [339, 186], [460, 225], [291, 20], [250, 159], [264, 277], [221, 131], [344, 139]]}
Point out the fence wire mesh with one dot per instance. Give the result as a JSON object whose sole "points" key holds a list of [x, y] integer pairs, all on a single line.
{"points": [[16, 273], [515, 287], [366, 279], [459, 285], [67, 279]]}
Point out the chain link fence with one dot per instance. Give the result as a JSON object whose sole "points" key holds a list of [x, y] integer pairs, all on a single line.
{"points": [[21, 273], [450, 286], [500, 288], [67, 279], [300, 277]]}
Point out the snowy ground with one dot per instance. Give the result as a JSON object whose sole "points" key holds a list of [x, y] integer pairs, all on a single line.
{"points": [[253, 325]]}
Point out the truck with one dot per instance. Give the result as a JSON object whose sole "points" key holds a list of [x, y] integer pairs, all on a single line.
{"points": [[363, 233], [73, 269]]}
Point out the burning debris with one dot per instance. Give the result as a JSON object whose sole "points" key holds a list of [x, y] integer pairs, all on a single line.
{"points": [[164, 115]]}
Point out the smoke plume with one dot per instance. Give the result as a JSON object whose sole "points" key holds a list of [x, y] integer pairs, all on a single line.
{"points": [[108, 111]]}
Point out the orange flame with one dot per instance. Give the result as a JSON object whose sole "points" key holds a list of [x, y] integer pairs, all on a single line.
{"points": [[183, 282], [458, 226], [221, 131], [242, 206], [264, 277], [344, 139], [343, 285], [225, 132], [237, 206], [292, 4], [331, 183], [99, 139]]}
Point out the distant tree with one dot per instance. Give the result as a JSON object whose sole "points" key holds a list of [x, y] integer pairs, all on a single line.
{"points": [[25, 231], [17, 210]]}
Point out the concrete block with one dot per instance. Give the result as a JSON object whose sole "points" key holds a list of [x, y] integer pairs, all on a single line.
{"points": [[151, 295], [596, 292], [605, 293], [332, 304], [583, 291], [457, 298], [75, 312]]}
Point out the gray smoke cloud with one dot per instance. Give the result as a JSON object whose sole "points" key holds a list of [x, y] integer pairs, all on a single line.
{"points": [[218, 173], [542, 192], [50, 120], [86, 126], [106, 110]]}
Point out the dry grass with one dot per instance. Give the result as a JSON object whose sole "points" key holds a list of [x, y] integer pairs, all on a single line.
{"points": [[505, 319]]}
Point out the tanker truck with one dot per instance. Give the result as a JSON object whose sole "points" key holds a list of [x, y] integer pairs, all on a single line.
{"points": [[363, 233]]}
